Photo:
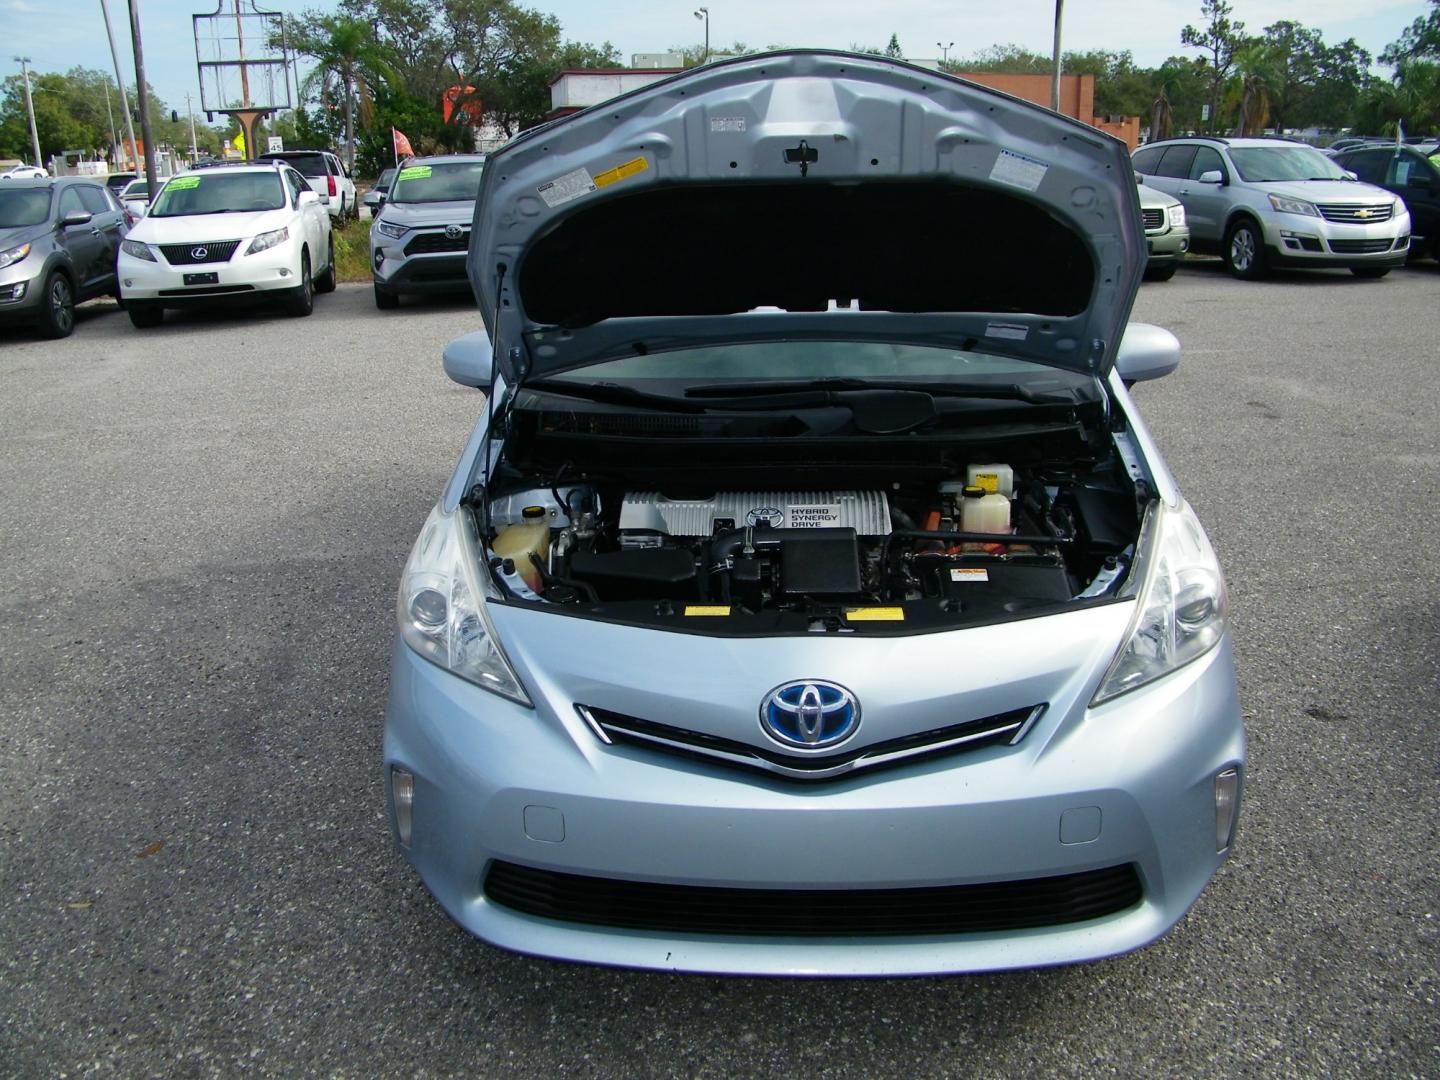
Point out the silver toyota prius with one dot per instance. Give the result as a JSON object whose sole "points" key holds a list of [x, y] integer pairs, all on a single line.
{"points": [[810, 598]]}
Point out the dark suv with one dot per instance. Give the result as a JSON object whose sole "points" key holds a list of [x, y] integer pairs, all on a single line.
{"points": [[1407, 172], [58, 243]]}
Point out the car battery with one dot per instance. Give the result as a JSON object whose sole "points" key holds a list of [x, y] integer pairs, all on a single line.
{"points": [[991, 586]]}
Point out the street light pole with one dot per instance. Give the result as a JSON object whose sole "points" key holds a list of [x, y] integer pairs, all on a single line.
{"points": [[120, 83], [24, 61], [1055, 78], [704, 13], [194, 150], [944, 51], [114, 142]]}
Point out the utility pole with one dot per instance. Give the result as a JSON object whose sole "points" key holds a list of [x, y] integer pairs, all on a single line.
{"points": [[1055, 78], [24, 61], [194, 150], [120, 83], [142, 98], [114, 142]]}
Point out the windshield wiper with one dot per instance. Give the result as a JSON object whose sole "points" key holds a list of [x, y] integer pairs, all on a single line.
{"points": [[836, 385], [609, 393]]}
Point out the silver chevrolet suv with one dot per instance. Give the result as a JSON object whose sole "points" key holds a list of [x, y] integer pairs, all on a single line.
{"points": [[419, 238], [1264, 203]]}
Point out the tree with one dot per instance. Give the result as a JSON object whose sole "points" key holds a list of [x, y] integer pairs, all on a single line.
{"points": [[347, 61], [1412, 100], [892, 50], [1420, 41], [1219, 38]]}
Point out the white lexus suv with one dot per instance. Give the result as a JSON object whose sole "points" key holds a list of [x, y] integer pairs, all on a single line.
{"points": [[237, 233]]}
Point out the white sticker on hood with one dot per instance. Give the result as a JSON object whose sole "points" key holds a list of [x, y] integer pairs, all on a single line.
{"points": [[567, 188], [1019, 171], [727, 123]]}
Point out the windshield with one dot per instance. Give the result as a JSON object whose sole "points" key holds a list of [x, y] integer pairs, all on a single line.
{"points": [[219, 193], [450, 181], [19, 208], [787, 361], [1258, 164], [383, 183], [304, 164], [137, 187]]}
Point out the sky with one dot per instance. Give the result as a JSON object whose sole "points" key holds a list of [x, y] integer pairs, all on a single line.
{"points": [[60, 34]]}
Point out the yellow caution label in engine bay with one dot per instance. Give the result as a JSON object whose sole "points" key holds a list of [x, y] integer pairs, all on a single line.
{"points": [[621, 172], [875, 614], [706, 609]]}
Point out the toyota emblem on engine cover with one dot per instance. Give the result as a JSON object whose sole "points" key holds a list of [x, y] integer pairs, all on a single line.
{"points": [[809, 714]]}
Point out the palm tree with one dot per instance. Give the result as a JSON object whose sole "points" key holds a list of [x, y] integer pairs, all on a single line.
{"points": [[347, 60]]}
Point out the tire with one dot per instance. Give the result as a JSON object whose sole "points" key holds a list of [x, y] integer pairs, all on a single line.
{"points": [[145, 316], [1244, 250], [386, 301], [1162, 273], [57, 314], [300, 301], [325, 283], [1373, 273]]}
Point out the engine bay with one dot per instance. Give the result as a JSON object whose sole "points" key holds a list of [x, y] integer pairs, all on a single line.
{"points": [[990, 542]]}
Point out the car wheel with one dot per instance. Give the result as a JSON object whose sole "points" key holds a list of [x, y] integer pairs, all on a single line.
{"points": [[386, 301], [145, 316], [1372, 272], [301, 301], [326, 282], [57, 316], [1244, 251], [1162, 273]]}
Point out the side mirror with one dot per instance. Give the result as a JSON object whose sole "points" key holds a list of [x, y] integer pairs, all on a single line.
{"points": [[312, 197], [76, 217], [468, 360], [1212, 176], [1146, 352], [379, 198], [1139, 179], [1349, 175]]}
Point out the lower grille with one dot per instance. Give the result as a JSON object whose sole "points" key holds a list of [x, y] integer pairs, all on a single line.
{"points": [[1153, 219], [432, 242], [208, 290], [193, 254], [1006, 727], [698, 909], [1350, 214], [1360, 247]]}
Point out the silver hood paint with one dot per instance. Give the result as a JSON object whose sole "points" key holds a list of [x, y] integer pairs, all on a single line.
{"points": [[730, 122]]}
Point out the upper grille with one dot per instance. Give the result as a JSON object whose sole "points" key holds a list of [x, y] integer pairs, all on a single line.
{"points": [[1356, 214], [1153, 219], [189, 254], [1006, 727], [703, 909], [428, 243], [1360, 247]]}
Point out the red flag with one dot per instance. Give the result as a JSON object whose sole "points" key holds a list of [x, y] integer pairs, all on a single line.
{"points": [[402, 144]]}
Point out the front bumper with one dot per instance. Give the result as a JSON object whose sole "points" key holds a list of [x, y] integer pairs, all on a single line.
{"points": [[1296, 240], [22, 291], [1168, 246], [496, 781], [239, 277], [401, 273]]}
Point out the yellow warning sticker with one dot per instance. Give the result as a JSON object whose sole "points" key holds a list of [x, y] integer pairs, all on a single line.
{"points": [[987, 480], [621, 172], [875, 614], [707, 609]]}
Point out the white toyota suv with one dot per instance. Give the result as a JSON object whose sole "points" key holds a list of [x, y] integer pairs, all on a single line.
{"points": [[234, 234]]}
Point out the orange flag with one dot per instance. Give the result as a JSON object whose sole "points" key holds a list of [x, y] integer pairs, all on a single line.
{"points": [[402, 144]]}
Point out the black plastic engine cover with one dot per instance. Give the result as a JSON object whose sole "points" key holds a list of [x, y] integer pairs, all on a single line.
{"points": [[820, 562], [637, 573]]}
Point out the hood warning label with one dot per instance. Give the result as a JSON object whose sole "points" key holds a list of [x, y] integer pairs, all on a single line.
{"points": [[1018, 171], [567, 188], [812, 515]]}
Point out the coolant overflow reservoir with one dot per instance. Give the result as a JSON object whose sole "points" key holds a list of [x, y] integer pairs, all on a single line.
{"points": [[984, 512], [519, 542]]}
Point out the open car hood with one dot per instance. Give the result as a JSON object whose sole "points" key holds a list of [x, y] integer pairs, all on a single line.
{"points": [[807, 194]]}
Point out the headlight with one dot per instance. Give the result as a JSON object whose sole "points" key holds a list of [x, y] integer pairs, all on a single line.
{"points": [[136, 250], [13, 255], [395, 232], [266, 240], [1177, 216], [1293, 206], [442, 607], [1181, 611]]}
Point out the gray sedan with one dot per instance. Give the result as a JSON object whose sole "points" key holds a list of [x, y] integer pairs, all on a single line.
{"points": [[810, 598]]}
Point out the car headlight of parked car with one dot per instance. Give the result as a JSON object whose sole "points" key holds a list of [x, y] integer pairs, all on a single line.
{"points": [[136, 250], [442, 606], [1177, 216], [1182, 603], [11, 256], [266, 240], [1293, 206], [395, 232]]}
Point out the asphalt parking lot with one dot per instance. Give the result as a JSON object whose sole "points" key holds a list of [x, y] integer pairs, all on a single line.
{"points": [[201, 528]]}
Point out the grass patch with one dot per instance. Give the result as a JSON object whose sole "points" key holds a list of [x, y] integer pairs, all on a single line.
{"points": [[352, 251]]}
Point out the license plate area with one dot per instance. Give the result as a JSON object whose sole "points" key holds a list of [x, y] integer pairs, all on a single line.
{"points": [[212, 278]]}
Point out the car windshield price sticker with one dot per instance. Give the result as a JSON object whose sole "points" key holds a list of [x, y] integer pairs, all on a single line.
{"points": [[1019, 171], [184, 183], [415, 172], [567, 188]]}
